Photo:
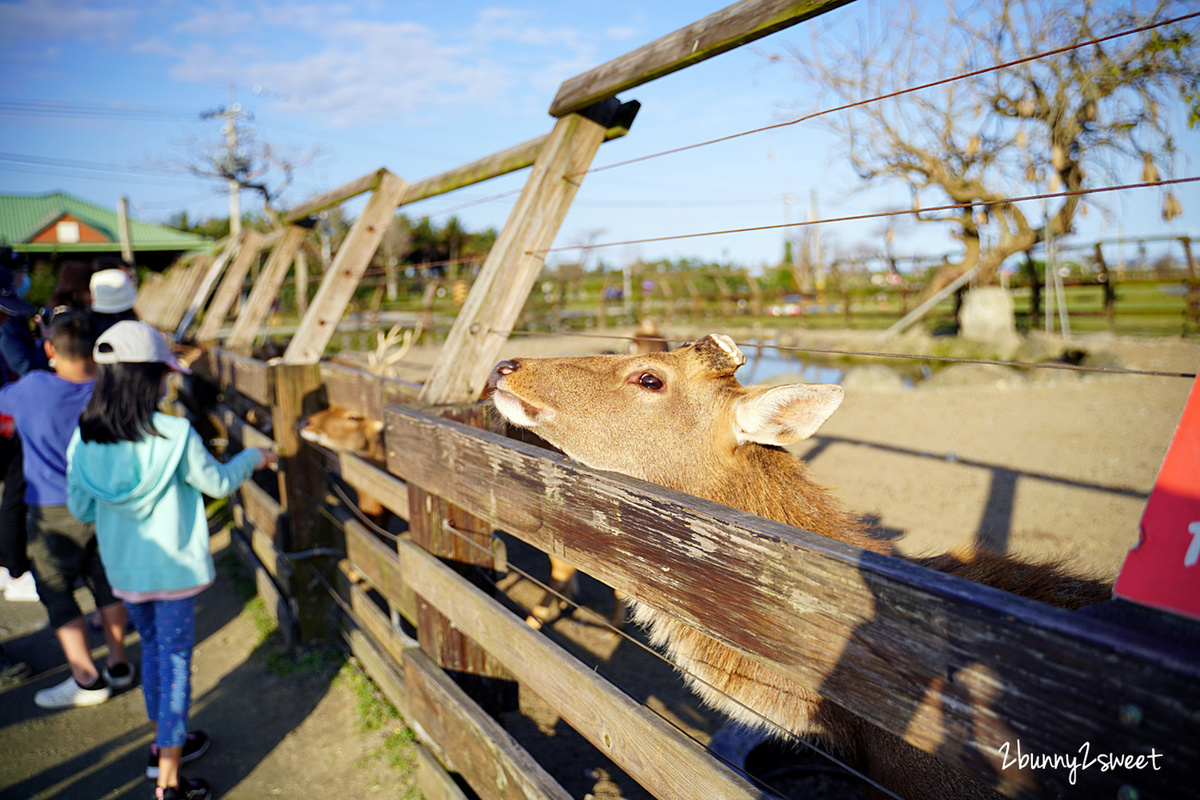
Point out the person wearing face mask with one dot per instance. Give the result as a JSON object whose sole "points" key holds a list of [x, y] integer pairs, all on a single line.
{"points": [[18, 347]]}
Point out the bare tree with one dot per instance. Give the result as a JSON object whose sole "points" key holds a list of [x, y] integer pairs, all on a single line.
{"points": [[252, 164], [1077, 119]]}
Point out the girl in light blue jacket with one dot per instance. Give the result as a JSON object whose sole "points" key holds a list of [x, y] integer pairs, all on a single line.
{"points": [[141, 476]]}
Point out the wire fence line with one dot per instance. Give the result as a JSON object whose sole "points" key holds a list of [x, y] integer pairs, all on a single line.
{"points": [[899, 93], [875, 215]]}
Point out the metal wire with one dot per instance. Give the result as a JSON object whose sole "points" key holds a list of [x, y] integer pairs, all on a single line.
{"points": [[891, 95], [875, 215]]}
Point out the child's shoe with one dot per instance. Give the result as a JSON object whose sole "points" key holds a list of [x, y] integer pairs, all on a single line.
{"points": [[188, 789], [22, 589], [194, 746], [70, 694], [119, 676]]}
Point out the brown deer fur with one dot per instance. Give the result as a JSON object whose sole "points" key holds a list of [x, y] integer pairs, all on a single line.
{"points": [[681, 419], [349, 432]]}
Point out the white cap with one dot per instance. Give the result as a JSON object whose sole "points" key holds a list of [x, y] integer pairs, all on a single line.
{"points": [[134, 342], [112, 291]]}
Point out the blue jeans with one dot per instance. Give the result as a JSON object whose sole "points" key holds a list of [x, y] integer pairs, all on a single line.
{"points": [[167, 628]]}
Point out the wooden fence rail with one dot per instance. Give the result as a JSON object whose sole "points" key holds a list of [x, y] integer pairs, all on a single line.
{"points": [[887, 639]]}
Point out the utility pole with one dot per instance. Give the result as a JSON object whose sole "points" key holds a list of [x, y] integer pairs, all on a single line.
{"points": [[231, 114]]}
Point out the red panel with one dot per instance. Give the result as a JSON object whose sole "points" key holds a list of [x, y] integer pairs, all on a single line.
{"points": [[1163, 570]]}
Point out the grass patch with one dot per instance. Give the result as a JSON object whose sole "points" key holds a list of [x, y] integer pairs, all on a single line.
{"points": [[376, 714]]}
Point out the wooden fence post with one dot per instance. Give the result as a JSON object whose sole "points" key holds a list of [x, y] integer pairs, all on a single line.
{"points": [[513, 264], [339, 282], [467, 548], [266, 289], [1192, 318], [1110, 293], [301, 489], [230, 286]]}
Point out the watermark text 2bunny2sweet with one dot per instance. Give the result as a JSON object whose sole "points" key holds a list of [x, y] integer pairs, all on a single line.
{"points": [[1082, 758]]}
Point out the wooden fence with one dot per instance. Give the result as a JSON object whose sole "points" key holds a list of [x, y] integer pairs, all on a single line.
{"points": [[953, 667]]}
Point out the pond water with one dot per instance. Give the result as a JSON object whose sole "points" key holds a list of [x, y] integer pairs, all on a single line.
{"points": [[765, 361]]}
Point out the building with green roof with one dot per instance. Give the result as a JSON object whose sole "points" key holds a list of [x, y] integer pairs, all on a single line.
{"points": [[58, 227]]}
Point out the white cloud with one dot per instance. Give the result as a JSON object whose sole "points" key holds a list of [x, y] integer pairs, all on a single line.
{"points": [[331, 62]]}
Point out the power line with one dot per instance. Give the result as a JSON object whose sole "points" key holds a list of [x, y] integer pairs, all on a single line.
{"points": [[891, 95], [876, 215], [53, 108]]}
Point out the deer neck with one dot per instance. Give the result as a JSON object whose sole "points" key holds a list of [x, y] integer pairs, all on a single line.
{"points": [[772, 483]]}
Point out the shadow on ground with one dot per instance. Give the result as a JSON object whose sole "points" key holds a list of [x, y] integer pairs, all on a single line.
{"points": [[242, 697]]}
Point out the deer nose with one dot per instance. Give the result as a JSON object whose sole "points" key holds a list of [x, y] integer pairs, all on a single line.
{"points": [[500, 370]]}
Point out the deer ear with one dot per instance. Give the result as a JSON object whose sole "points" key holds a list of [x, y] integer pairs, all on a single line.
{"points": [[784, 414]]}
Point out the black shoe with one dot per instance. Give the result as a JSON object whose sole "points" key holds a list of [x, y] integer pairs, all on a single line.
{"points": [[194, 746], [13, 672], [188, 789]]}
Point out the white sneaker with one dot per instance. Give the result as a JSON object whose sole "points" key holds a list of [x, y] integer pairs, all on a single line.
{"points": [[22, 589], [5, 578], [70, 694]]}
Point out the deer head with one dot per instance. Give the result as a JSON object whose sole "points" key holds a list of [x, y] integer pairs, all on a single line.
{"points": [[345, 431], [678, 418]]}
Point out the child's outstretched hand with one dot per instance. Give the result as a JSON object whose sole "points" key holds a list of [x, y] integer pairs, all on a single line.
{"points": [[266, 458]]}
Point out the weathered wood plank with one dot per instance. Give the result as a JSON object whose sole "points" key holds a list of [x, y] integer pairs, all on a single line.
{"points": [[242, 432], [188, 286], [364, 392], [245, 375], [885, 638], [199, 297], [275, 604], [230, 286], [374, 561], [464, 737], [658, 756], [337, 287], [266, 289], [715, 34], [514, 158], [513, 264], [366, 477], [354, 188], [263, 512]]}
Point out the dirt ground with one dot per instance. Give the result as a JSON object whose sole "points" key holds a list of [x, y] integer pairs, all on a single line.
{"points": [[1052, 464], [274, 733]]}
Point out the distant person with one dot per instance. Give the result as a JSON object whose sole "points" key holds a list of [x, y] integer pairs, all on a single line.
{"points": [[18, 345], [113, 296], [141, 475], [72, 292], [16, 579], [46, 408]]}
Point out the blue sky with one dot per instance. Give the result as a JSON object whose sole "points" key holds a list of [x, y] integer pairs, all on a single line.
{"points": [[422, 87]]}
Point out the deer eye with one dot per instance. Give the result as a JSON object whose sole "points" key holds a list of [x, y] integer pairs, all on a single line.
{"points": [[650, 381]]}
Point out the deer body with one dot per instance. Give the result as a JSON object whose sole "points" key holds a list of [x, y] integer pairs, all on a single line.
{"points": [[681, 419]]}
